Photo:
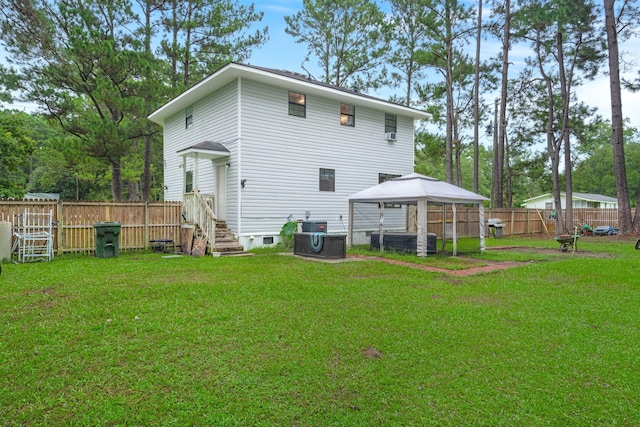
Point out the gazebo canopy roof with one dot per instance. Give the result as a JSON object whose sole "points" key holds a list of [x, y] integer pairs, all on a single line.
{"points": [[414, 187]]}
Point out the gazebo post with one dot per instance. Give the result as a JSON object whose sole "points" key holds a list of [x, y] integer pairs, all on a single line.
{"points": [[454, 230], [421, 212], [481, 213], [381, 205], [350, 227], [444, 226]]}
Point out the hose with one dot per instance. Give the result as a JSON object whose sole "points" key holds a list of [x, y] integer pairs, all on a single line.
{"points": [[316, 241]]}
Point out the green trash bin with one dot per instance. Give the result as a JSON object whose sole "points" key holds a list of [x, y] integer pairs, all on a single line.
{"points": [[107, 239]]}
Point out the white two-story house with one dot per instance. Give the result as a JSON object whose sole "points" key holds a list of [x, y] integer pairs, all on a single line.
{"points": [[272, 145]]}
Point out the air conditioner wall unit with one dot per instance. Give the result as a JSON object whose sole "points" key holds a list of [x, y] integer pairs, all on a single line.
{"points": [[390, 136]]}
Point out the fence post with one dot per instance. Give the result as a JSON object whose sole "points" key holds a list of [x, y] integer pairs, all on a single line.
{"points": [[59, 227], [513, 218]]}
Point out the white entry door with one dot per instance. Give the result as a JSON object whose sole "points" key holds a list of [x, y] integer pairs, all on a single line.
{"points": [[221, 192]]}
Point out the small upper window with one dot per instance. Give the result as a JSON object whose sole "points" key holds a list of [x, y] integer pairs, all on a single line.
{"points": [[347, 115], [188, 117], [390, 122], [297, 104], [327, 179]]}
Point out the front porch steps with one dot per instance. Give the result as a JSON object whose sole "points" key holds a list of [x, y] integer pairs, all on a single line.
{"points": [[226, 242]]}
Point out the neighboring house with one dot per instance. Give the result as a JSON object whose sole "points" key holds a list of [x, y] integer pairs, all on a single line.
{"points": [[272, 145], [41, 196], [580, 200]]}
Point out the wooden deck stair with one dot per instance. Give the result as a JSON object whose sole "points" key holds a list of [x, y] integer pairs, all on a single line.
{"points": [[226, 242], [198, 211]]}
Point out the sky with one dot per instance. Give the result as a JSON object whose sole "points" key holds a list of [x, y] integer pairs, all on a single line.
{"points": [[281, 52]]}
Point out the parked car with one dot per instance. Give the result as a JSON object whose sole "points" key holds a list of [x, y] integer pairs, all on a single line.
{"points": [[605, 230]]}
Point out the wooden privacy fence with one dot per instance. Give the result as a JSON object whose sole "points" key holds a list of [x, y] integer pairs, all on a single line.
{"points": [[516, 221], [140, 222]]}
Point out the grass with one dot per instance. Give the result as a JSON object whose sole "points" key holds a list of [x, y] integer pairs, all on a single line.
{"points": [[277, 340]]}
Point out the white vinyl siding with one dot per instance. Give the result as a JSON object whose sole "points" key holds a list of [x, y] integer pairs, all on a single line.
{"points": [[282, 154], [217, 121]]}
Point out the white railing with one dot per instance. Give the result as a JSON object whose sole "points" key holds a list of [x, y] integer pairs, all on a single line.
{"points": [[198, 210]]}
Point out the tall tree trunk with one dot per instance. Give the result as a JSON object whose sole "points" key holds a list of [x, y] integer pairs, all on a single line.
{"points": [[507, 167], [617, 136], [134, 194], [494, 173], [175, 27], [458, 150], [116, 182], [502, 128], [145, 181], [449, 79], [565, 92], [476, 108], [553, 148]]}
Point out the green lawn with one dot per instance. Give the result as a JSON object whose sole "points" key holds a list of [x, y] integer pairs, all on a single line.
{"points": [[276, 340]]}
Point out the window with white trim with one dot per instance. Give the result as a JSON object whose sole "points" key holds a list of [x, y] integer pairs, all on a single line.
{"points": [[327, 179], [297, 104], [188, 117], [390, 122], [188, 182], [382, 177], [347, 115]]}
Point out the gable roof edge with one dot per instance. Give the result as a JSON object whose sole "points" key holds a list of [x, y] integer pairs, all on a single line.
{"points": [[232, 71]]}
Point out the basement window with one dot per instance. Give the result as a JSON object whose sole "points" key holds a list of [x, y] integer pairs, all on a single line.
{"points": [[267, 240]]}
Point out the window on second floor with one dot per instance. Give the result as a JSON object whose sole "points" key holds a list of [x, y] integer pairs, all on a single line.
{"points": [[347, 115], [297, 104], [327, 179], [188, 117], [390, 122]]}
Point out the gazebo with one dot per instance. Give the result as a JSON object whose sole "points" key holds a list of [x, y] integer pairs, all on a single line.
{"points": [[418, 189]]}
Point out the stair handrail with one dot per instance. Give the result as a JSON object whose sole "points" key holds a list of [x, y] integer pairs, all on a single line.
{"points": [[198, 211]]}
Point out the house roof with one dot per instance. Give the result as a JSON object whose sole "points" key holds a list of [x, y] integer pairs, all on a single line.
{"points": [[41, 196], [590, 197], [205, 150], [414, 187], [288, 79]]}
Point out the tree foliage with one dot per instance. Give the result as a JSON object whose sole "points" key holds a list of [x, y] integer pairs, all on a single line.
{"points": [[91, 66], [202, 35], [348, 38], [16, 147]]}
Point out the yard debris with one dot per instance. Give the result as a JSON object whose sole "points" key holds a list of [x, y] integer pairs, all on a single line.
{"points": [[372, 353]]}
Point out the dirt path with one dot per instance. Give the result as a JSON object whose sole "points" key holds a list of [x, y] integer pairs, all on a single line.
{"points": [[491, 266]]}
